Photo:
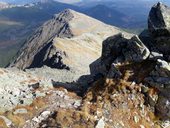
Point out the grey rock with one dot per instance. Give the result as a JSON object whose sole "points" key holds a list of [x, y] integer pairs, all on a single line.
{"points": [[34, 86], [159, 20], [136, 51], [152, 99], [97, 67], [155, 56], [77, 103], [60, 93], [160, 77], [42, 117], [163, 68], [163, 106], [100, 124], [159, 27], [21, 111], [112, 48], [165, 123], [148, 40], [118, 49], [54, 59], [163, 44], [114, 72]]}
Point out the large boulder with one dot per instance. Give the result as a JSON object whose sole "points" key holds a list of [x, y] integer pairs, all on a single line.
{"points": [[118, 49], [159, 20], [159, 27], [163, 107], [112, 48], [163, 44], [160, 77]]}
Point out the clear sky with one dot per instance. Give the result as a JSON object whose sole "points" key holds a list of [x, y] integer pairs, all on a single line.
{"points": [[73, 1]]}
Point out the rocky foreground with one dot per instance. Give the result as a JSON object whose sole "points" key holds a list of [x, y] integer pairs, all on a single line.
{"points": [[129, 87]]}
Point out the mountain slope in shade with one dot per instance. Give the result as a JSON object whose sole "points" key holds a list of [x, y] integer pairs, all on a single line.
{"points": [[70, 40], [15, 25], [107, 15]]}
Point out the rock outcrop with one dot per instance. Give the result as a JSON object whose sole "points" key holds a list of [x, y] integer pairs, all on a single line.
{"points": [[145, 64], [159, 27], [119, 49], [159, 20]]}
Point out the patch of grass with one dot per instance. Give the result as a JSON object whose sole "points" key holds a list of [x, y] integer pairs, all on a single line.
{"points": [[2, 123]]}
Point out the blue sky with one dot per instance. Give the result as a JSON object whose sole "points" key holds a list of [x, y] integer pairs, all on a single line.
{"points": [[73, 1]]}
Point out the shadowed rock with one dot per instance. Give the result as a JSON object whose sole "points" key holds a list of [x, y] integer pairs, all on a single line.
{"points": [[159, 20], [159, 27], [118, 49]]}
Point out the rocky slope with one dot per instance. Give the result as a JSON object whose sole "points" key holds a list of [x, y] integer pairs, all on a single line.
{"points": [[62, 43], [130, 88], [54, 53], [41, 48]]}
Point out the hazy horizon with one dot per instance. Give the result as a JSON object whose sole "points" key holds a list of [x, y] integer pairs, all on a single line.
{"points": [[86, 1]]}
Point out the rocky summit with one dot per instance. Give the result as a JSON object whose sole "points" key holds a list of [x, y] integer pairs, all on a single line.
{"points": [[127, 76], [158, 24]]}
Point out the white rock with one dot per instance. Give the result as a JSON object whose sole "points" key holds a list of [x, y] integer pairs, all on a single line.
{"points": [[77, 103], [136, 119], [100, 124], [21, 111], [141, 126], [166, 124], [43, 116]]}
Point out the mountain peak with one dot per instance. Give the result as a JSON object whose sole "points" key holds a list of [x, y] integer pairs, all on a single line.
{"points": [[67, 14], [63, 27], [160, 5]]}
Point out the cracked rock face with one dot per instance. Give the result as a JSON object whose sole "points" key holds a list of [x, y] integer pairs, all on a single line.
{"points": [[118, 49]]}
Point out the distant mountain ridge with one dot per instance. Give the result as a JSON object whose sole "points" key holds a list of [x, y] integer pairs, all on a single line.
{"points": [[107, 15], [34, 1], [15, 25], [47, 45]]}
